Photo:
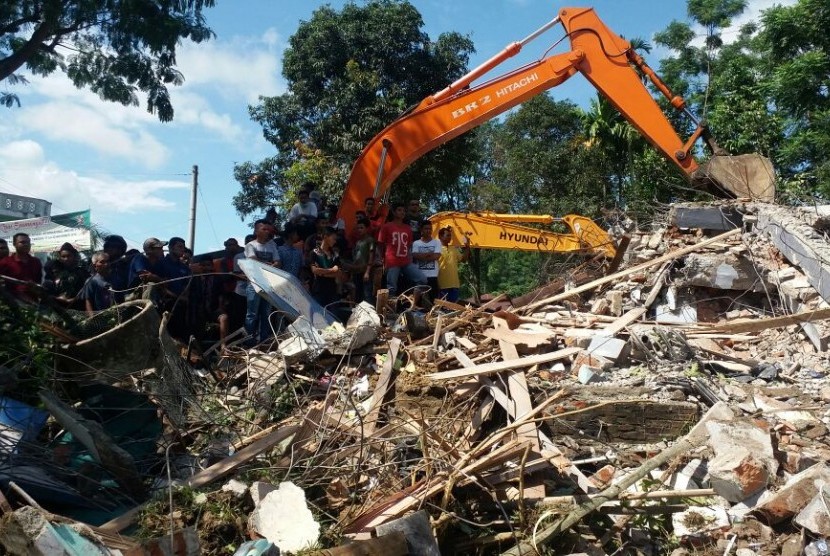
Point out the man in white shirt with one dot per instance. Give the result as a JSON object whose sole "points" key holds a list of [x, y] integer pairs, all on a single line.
{"points": [[262, 249], [303, 214], [425, 253]]}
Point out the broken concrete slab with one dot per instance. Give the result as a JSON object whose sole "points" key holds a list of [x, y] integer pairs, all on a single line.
{"points": [[695, 524], [800, 244], [586, 359], [736, 474], [590, 375], [283, 517], [744, 462], [718, 217], [798, 491], [612, 349], [362, 328], [814, 516], [724, 271]]}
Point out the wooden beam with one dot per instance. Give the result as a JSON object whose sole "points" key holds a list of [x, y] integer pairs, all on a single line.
{"points": [[756, 325], [490, 368], [622, 322], [381, 388], [629, 271]]}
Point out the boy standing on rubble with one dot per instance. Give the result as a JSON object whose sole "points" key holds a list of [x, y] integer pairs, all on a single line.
{"points": [[262, 249], [449, 283]]}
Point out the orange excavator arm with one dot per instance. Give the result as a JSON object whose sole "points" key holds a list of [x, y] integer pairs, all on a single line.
{"points": [[488, 230], [603, 57]]}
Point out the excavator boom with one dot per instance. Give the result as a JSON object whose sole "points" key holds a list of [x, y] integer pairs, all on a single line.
{"points": [[603, 57], [486, 230]]}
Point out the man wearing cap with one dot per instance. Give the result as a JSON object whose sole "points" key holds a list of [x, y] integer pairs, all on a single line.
{"points": [[147, 267]]}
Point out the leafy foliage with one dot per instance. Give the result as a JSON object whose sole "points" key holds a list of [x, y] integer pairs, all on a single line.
{"points": [[796, 51], [117, 47], [350, 73]]}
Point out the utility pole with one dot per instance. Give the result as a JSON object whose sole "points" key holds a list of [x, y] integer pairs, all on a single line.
{"points": [[192, 243]]}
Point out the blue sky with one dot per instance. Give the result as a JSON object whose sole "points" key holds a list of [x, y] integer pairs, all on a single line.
{"points": [[69, 147]]}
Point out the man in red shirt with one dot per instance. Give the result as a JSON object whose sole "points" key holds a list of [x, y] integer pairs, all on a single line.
{"points": [[395, 240], [22, 266]]}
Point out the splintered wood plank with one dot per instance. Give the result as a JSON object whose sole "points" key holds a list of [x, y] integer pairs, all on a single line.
{"points": [[498, 366], [474, 428], [517, 385], [529, 339], [381, 388], [756, 325], [621, 323]]}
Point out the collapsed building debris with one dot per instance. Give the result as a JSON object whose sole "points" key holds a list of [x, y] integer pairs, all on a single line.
{"points": [[676, 405]]}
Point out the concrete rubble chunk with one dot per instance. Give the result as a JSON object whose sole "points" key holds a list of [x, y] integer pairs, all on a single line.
{"points": [[785, 412], [283, 517], [723, 271], [744, 462], [417, 530], [590, 375], [237, 488], [717, 217], [612, 349], [585, 358], [798, 491], [815, 516], [720, 412], [799, 243]]}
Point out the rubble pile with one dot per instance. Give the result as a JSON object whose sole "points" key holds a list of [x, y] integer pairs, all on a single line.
{"points": [[678, 404]]}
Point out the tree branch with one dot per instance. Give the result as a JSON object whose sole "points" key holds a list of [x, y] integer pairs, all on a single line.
{"points": [[13, 62]]}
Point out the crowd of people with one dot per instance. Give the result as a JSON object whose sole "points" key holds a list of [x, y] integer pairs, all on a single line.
{"points": [[207, 292]]}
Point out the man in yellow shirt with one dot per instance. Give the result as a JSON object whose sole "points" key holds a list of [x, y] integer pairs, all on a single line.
{"points": [[448, 281]]}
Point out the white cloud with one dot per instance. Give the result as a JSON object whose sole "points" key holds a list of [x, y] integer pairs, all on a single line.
{"points": [[218, 75], [241, 68], [195, 110], [26, 170], [82, 125]]}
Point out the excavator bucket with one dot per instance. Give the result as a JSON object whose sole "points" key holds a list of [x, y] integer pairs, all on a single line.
{"points": [[742, 176]]}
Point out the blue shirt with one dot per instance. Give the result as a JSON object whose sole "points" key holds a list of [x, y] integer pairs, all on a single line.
{"points": [[171, 269], [291, 259], [97, 291], [141, 263]]}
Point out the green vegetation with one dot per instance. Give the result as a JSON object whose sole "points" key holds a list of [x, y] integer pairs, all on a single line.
{"points": [[117, 47]]}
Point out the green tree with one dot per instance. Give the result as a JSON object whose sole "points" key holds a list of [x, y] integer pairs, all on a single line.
{"points": [[350, 73], [796, 51], [545, 164], [114, 47]]}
